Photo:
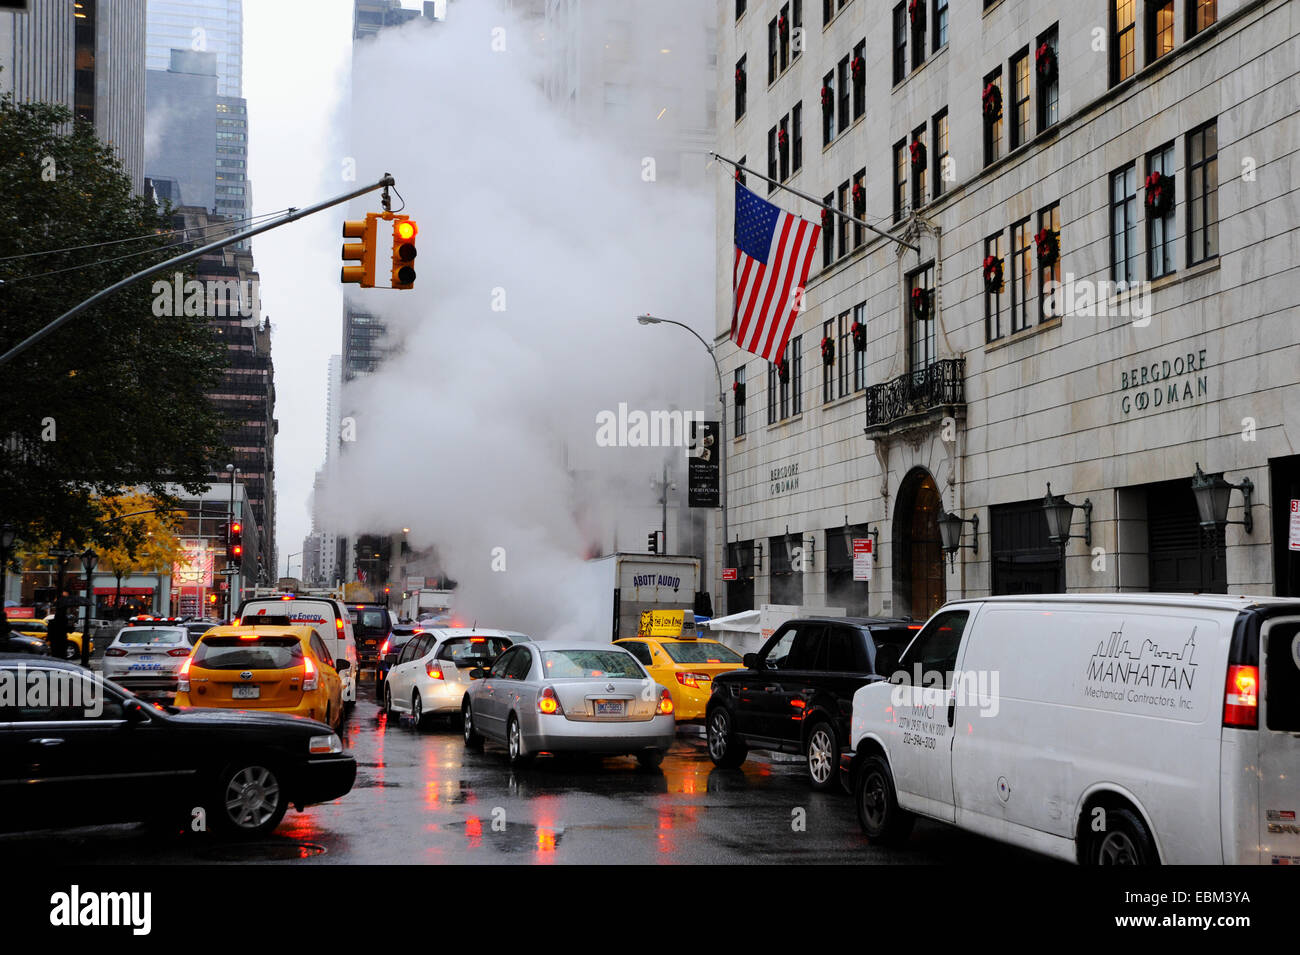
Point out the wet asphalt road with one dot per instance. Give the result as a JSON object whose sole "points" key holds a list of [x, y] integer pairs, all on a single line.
{"points": [[421, 798]]}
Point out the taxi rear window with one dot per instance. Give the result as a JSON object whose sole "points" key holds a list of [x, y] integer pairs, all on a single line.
{"points": [[700, 653], [241, 653]]}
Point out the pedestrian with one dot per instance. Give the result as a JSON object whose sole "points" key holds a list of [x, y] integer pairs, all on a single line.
{"points": [[57, 631]]}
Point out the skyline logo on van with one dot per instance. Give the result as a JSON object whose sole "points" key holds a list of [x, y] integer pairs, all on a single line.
{"points": [[1143, 671]]}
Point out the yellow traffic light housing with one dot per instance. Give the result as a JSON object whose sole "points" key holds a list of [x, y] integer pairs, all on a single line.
{"points": [[404, 232], [363, 251]]}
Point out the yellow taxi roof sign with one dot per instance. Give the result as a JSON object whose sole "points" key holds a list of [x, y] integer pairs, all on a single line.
{"points": [[667, 623]]}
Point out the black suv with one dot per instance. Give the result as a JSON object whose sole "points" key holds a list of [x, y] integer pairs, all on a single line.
{"points": [[371, 624], [796, 694]]}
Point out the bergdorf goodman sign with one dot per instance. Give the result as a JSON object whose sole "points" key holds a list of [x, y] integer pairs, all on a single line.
{"points": [[1164, 384]]}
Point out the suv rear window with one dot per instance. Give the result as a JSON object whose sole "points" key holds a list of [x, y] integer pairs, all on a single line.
{"points": [[476, 649], [142, 635], [241, 653], [700, 653], [369, 619]]}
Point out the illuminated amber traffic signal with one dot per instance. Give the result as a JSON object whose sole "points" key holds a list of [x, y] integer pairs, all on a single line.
{"points": [[404, 232], [363, 251]]}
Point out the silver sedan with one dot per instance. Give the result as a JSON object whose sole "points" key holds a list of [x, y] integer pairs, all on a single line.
{"points": [[564, 697]]}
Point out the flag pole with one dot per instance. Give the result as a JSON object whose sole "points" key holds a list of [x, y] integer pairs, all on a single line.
{"points": [[817, 202]]}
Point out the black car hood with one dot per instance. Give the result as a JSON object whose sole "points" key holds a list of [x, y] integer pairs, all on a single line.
{"points": [[223, 717]]}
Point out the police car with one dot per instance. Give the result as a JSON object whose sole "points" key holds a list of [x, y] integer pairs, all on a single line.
{"points": [[146, 656]]}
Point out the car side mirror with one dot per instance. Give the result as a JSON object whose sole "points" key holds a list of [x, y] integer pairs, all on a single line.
{"points": [[135, 712], [341, 665], [751, 661], [887, 659]]}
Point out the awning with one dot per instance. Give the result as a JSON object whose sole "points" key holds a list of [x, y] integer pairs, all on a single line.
{"points": [[744, 622], [127, 591]]}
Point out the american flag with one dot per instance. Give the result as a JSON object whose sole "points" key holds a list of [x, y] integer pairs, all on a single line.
{"points": [[774, 251]]}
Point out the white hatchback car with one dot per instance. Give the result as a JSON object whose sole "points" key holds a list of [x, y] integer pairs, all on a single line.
{"points": [[434, 669], [147, 660]]}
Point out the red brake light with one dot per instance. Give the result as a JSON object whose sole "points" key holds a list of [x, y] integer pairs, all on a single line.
{"points": [[183, 685], [692, 679], [478, 639], [1241, 697], [309, 676], [117, 652], [178, 652], [434, 670], [384, 648], [549, 703], [665, 703], [338, 624]]}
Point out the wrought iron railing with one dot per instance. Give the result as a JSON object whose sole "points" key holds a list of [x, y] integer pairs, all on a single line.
{"points": [[939, 384]]}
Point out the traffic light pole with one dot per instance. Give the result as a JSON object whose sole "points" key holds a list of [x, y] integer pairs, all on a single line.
{"points": [[293, 215]]}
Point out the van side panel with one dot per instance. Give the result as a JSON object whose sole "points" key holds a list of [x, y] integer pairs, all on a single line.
{"points": [[1239, 796], [1054, 701]]}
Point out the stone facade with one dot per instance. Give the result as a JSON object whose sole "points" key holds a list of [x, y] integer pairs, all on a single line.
{"points": [[1080, 400]]}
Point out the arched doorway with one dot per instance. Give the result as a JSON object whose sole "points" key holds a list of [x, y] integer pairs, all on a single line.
{"points": [[918, 550]]}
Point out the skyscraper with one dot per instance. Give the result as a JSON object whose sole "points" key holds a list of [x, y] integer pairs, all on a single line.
{"points": [[204, 26]]}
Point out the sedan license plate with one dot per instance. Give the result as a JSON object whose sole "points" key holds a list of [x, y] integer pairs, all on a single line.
{"points": [[144, 657], [610, 707], [145, 666], [245, 692]]}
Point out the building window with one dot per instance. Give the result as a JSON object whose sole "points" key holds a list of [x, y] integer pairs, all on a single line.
{"points": [[940, 151], [827, 236], [1049, 87], [859, 233], [940, 35], [860, 355], [918, 171], [740, 175], [797, 20], [828, 11], [900, 43], [783, 37], [1200, 14], [918, 34], [773, 382], [740, 88], [1020, 115], [1123, 44], [921, 341], [1123, 224], [993, 248], [843, 349], [900, 179], [842, 223], [1160, 228], [828, 108], [860, 80], [846, 98], [772, 168], [796, 138], [783, 147], [993, 126], [1021, 273], [795, 353], [738, 391], [827, 370], [1159, 28], [1049, 276], [773, 51], [740, 9], [1203, 193]]}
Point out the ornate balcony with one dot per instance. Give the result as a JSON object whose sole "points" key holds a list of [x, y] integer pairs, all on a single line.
{"points": [[917, 398]]}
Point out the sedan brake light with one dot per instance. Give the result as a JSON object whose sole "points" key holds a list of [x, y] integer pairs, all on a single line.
{"points": [[665, 703], [178, 652], [692, 679], [119, 652], [183, 685], [309, 681], [434, 670], [549, 703]]}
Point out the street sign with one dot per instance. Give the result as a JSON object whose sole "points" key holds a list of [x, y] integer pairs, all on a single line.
{"points": [[1293, 542], [729, 573], [862, 558], [228, 571]]}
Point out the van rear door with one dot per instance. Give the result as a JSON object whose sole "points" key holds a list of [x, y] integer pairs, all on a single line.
{"points": [[1279, 741]]}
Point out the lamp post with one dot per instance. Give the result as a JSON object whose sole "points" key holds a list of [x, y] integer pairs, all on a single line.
{"points": [[8, 534], [288, 563], [722, 442], [230, 520], [88, 561]]}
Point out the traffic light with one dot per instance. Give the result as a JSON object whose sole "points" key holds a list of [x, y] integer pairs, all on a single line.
{"points": [[235, 543], [652, 542], [363, 251], [404, 232]]}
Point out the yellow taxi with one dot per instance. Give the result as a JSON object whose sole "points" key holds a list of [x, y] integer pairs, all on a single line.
{"points": [[686, 665], [283, 669], [31, 627]]}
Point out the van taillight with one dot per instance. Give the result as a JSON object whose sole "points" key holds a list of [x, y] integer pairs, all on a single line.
{"points": [[1241, 697]]}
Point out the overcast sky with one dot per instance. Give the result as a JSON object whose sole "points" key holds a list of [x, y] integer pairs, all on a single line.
{"points": [[296, 66]]}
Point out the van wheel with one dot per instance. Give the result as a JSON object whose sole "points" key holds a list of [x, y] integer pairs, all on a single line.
{"points": [[1125, 841], [724, 748], [881, 818], [472, 739], [822, 756]]}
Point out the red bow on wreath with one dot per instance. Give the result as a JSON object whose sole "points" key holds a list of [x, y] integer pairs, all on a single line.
{"points": [[1160, 193], [859, 195], [992, 274], [916, 10], [920, 303], [917, 149], [1048, 246], [858, 66], [782, 137], [828, 97], [740, 75], [859, 333], [828, 350], [783, 26], [1045, 60], [992, 102]]}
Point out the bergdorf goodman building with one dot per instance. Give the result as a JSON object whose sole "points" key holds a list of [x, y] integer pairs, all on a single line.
{"points": [[1104, 198]]}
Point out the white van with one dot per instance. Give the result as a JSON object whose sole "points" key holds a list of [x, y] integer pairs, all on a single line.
{"points": [[1103, 728], [329, 618]]}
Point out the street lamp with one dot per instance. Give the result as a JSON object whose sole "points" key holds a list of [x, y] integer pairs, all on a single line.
{"points": [[1060, 513], [722, 439], [88, 561], [8, 534], [1213, 493], [950, 528]]}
